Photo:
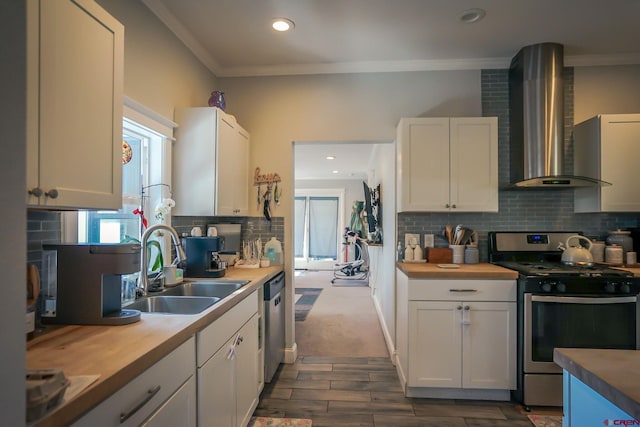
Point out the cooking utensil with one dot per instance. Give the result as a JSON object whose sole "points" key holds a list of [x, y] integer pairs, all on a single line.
{"points": [[448, 233], [577, 255]]}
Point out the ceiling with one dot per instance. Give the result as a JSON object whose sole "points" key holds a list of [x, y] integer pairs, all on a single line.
{"points": [[351, 160], [234, 38]]}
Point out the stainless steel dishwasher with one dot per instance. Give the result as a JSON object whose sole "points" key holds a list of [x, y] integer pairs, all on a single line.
{"points": [[273, 325]]}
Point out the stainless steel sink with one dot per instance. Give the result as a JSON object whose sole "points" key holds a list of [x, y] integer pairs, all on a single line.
{"points": [[206, 288], [173, 304]]}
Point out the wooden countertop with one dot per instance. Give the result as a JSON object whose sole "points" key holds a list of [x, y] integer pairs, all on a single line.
{"points": [[120, 353], [635, 269], [465, 271], [615, 374]]}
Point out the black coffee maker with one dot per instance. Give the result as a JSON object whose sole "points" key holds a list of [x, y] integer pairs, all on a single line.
{"points": [[202, 256]]}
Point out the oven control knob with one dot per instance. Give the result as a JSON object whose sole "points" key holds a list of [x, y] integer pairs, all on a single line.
{"points": [[610, 287], [625, 288], [546, 286], [561, 287]]}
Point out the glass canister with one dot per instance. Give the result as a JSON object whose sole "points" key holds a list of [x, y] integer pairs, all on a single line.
{"points": [[621, 238]]}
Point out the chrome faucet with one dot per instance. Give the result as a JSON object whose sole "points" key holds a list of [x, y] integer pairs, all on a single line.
{"points": [[181, 256]]}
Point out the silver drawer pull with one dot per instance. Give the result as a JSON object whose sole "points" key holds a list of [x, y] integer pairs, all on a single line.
{"points": [[150, 393], [463, 290]]}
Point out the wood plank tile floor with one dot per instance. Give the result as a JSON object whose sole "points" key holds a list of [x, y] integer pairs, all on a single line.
{"points": [[365, 391]]}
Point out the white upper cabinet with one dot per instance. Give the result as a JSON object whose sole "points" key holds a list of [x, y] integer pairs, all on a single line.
{"points": [[448, 164], [607, 147], [210, 164], [75, 57]]}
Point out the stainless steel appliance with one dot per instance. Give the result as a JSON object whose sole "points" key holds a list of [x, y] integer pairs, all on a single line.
{"points": [[536, 97], [273, 325], [202, 257], [562, 306], [89, 283]]}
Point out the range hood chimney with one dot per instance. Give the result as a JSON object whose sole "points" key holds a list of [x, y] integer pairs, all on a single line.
{"points": [[536, 98]]}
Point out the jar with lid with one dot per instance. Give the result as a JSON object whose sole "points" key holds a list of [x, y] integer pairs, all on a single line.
{"points": [[621, 238], [471, 254]]}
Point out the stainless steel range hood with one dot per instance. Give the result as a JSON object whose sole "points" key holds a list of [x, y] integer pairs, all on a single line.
{"points": [[536, 98]]}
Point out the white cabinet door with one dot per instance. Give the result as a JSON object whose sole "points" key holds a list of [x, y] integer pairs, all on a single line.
{"points": [[474, 164], [423, 164], [210, 164], [74, 99], [216, 384], [488, 345], [447, 164], [179, 410], [455, 344], [607, 147], [247, 377], [435, 356], [233, 167]]}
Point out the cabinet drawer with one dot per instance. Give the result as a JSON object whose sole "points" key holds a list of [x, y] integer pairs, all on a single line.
{"points": [[215, 335], [166, 376], [462, 290]]}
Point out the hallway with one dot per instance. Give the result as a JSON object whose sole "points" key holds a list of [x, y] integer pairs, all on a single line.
{"points": [[342, 321]]}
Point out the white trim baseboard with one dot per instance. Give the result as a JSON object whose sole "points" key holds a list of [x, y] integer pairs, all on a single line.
{"points": [[385, 331], [291, 354]]}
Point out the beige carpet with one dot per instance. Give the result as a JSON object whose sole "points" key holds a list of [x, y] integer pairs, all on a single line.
{"points": [[342, 322]]}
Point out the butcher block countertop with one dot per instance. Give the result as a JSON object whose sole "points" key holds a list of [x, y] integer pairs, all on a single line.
{"points": [[464, 271], [614, 374], [120, 353], [635, 269]]}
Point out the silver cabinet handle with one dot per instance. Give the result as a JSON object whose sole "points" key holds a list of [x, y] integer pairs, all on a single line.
{"points": [[150, 393], [467, 308], [53, 193], [459, 307], [463, 290]]}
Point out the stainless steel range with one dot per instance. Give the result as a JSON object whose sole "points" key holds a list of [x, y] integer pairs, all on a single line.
{"points": [[562, 306]]}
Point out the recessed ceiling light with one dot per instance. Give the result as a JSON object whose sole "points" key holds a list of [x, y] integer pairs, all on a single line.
{"points": [[334, 171], [331, 157], [282, 24], [470, 16]]}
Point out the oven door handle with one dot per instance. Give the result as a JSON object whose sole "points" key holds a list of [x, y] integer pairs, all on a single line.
{"points": [[582, 300]]}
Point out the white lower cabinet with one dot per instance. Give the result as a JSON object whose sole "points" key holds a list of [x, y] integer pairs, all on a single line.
{"points": [[456, 336], [462, 344], [163, 395], [228, 361]]}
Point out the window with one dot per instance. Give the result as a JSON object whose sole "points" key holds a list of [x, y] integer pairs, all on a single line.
{"points": [[317, 227], [145, 181], [138, 191]]}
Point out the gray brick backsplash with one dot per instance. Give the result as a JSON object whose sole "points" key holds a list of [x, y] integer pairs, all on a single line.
{"points": [[539, 210]]}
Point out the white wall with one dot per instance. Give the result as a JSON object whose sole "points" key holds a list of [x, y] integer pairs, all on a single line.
{"points": [[278, 111], [13, 247], [384, 292], [159, 71], [606, 90]]}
